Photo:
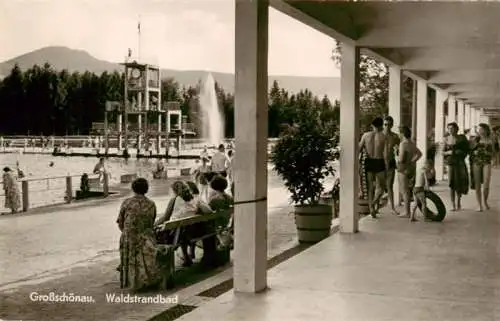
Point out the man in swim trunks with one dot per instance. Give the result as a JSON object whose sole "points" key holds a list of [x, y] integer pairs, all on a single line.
{"points": [[393, 143], [375, 145], [408, 156]]}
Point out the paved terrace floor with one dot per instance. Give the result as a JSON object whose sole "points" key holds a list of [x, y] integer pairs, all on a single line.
{"points": [[391, 270]]}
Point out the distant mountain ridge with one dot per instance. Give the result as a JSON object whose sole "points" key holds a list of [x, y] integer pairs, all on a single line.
{"points": [[79, 60]]}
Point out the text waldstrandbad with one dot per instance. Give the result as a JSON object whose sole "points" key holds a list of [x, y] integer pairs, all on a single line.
{"points": [[127, 298]]}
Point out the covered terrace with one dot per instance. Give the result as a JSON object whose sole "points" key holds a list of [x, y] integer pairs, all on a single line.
{"points": [[450, 47]]}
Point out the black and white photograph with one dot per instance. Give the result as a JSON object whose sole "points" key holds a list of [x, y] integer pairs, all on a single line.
{"points": [[249, 160]]}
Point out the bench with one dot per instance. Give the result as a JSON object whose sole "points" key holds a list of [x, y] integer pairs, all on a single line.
{"points": [[97, 187], [127, 178], [223, 234]]}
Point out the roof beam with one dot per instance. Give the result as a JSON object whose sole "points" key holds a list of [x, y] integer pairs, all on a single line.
{"points": [[465, 76], [306, 19]]}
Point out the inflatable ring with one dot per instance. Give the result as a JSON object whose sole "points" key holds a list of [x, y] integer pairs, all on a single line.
{"points": [[438, 203]]}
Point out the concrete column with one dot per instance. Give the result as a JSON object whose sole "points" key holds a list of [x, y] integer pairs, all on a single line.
{"points": [[422, 119], [439, 134], [349, 127], [467, 123], [395, 94], [158, 140], [460, 117], [119, 124], [147, 97], [169, 124], [139, 101], [139, 128], [473, 119], [452, 110], [250, 167], [478, 116]]}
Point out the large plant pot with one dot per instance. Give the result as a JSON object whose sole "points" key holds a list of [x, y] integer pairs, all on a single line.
{"points": [[327, 200], [313, 222]]}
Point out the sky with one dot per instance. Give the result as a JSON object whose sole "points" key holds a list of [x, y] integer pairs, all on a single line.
{"points": [[176, 34]]}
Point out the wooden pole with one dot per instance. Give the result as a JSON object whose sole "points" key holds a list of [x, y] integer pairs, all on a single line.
{"points": [[69, 189], [26, 202]]}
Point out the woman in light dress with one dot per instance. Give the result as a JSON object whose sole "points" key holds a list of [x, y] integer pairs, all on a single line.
{"points": [[138, 268], [11, 189]]}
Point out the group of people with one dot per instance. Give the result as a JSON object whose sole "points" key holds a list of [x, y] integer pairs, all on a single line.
{"points": [[480, 150], [221, 163], [142, 231], [389, 155]]}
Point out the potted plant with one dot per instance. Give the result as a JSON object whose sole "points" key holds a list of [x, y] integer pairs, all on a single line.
{"points": [[303, 157]]}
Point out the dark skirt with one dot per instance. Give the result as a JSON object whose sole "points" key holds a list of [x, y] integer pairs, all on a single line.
{"points": [[458, 177]]}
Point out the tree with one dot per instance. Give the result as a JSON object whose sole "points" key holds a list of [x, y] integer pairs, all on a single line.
{"points": [[373, 87], [374, 90], [44, 101], [12, 94]]}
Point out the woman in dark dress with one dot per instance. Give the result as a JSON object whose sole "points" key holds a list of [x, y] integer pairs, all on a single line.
{"points": [[456, 148], [482, 152]]}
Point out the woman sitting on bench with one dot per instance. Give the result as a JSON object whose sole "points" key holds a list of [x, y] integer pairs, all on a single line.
{"points": [[183, 205], [219, 201]]}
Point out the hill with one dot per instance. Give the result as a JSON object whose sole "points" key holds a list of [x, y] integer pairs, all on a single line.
{"points": [[79, 60]]}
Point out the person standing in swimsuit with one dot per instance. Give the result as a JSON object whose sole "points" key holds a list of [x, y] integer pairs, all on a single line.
{"points": [[408, 155], [393, 143], [375, 144], [481, 156]]}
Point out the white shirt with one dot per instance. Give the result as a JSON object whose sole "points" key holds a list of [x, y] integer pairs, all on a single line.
{"points": [[183, 209], [219, 162]]}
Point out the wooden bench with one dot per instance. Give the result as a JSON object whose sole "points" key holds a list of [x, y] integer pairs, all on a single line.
{"points": [[127, 178], [166, 255], [97, 187], [185, 171]]}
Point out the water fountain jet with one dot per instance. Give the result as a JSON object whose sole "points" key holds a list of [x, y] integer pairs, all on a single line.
{"points": [[212, 120]]}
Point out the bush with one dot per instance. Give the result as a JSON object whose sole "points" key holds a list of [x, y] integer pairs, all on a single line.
{"points": [[302, 157]]}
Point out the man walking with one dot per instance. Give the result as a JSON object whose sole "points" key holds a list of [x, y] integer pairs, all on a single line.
{"points": [[375, 145], [220, 162]]}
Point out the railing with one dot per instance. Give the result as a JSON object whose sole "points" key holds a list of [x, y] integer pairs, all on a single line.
{"points": [[73, 141], [44, 191]]}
